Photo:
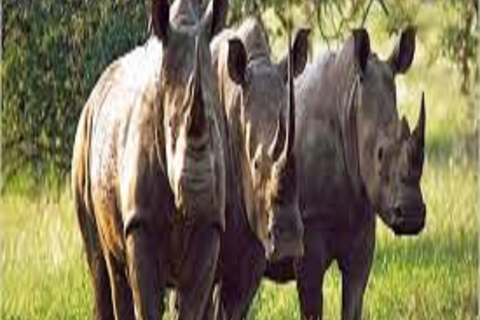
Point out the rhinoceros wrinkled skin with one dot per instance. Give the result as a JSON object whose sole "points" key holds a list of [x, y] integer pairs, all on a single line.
{"points": [[355, 158], [148, 171], [263, 219]]}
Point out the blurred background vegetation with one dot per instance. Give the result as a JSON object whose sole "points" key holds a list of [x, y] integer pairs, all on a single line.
{"points": [[54, 51]]}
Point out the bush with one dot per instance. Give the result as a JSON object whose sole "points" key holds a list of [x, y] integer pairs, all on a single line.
{"points": [[53, 52]]}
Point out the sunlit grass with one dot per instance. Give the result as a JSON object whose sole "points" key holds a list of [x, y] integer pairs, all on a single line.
{"points": [[43, 268]]}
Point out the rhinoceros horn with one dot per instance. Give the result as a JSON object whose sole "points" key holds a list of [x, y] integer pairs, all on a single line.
{"points": [[286, 162], [418, 137], [291, 104], [197, 112], [282, 145], [279, 140]]}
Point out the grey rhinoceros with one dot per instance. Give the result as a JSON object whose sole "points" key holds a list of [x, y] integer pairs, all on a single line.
{"points": [[148, 170], [263, 219], [355, 158]]}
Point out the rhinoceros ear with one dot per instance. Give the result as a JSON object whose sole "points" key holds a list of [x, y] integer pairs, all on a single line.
{"points": [[361, 41], [160, 19], [215, 17], [300, 55], [236, 61], [402, 56]]}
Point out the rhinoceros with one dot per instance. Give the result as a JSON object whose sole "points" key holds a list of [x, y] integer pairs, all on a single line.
{"points": [[263, 219], [148, 171], [355, 158]]}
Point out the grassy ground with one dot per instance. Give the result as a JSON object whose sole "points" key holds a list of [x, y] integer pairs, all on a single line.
{"points": [[433, 276], [43, 269], [43, 272]]}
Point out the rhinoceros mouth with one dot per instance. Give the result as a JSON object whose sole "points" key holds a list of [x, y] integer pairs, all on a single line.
{"points": [[408, 220], [286, 238], [284, 248]]}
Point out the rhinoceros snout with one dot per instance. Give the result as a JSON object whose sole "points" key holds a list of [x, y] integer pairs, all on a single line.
{"points": [[290, 249], [409, 220], [287, 239]]}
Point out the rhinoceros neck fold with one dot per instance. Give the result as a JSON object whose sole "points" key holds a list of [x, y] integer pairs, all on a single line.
{"points": [[235, 195], [347, 80]]}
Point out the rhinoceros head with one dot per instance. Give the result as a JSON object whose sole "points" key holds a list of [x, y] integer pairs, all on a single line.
{"points": [[268, 125], [390, 155], [187, 96]]}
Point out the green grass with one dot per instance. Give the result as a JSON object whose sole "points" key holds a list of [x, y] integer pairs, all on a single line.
{"points": [[43, 269]]}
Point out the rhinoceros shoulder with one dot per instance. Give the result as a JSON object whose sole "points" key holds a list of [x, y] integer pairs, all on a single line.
{"points": [[322, 171]]}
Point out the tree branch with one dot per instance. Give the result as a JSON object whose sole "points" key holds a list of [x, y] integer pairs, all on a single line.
{"points": [[384, 7], [365, 14]]}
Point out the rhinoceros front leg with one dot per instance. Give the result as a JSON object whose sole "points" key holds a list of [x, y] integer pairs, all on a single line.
{"points": [[355, 269], [197, 274], [241, 280], [121, 293], [146, 267], [310, 271], [96, 261], [214, 308]]}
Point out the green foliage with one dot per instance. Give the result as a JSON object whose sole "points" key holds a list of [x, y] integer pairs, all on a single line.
{"points": [[333, 19], [460, 39], [53, 52]]}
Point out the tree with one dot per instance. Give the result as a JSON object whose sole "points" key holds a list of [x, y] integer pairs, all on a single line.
{"points": [[53, 52]]}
